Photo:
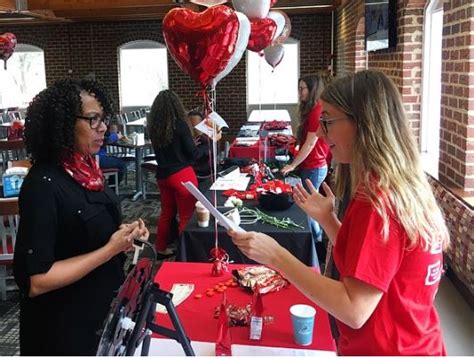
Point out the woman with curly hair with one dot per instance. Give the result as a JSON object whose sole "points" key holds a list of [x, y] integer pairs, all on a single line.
{"points": [[311, 158], [69, 251], [175, 153], [388, 248]]}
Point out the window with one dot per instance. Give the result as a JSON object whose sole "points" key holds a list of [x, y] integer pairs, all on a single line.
{"points": [[143, 72], [24, 78], [431, 96], [268, 86]]}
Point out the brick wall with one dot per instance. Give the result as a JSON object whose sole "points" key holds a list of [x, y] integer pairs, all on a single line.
{"points": [[78, 49], [456, 167], [402, 63]]}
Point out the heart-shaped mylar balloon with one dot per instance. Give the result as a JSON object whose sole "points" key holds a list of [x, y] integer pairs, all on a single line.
{"points": [[262, 34], [209, 3], [240, 46], [254, 9], [7, 46], [202, 44], [274, 54], [281, 36]]}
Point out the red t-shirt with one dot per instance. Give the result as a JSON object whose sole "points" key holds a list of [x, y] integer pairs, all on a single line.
{"points": [[317, 157], [405, 321]]}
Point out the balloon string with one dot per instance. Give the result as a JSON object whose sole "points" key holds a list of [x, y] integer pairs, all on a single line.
{"points": [[211, 106]]}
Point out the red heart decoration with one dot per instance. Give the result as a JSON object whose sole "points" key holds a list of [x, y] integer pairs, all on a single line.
{"points": [[201, 43], [261, 34], [7, 46]]}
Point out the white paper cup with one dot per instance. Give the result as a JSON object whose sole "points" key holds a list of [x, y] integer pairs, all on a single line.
{"points": [[302, 318], [202, 214]]}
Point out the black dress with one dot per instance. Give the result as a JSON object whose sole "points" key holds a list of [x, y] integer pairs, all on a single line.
{"points": [[60, 219]]}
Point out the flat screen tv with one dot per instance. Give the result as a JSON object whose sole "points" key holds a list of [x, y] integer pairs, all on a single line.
{"points": [[380, 24]]}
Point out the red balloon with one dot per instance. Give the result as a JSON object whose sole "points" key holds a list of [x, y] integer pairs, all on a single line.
{"points": [[7, 46], [262, 33], [201, 43], [273, 2]]}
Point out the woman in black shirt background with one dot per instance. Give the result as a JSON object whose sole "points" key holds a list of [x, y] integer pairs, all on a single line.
{"points": [[175, 153]]}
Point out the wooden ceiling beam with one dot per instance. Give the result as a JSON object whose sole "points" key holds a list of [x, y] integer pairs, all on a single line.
{"points": [[7, 5], [56, 5]]}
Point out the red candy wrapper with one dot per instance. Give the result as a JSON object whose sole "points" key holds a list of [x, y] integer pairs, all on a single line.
{"points": [[256, 317], [220, 260], [224, 341]]}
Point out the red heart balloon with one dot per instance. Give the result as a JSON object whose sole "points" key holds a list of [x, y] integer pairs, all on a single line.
{"points": [[7, 46], [201, 43], [261, 34]]}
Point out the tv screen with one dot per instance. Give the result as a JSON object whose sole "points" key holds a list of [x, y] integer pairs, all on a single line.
{"points": [[380, 24]]}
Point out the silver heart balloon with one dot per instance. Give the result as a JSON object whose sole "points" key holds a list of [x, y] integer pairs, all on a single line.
{"points": [[254, 9]]}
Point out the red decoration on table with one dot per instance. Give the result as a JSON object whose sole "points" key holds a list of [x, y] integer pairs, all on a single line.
{"points": [[220, 261], [275, 125], [15, 131], [276, 186], [281, 140], [261, 34], [7, 46], [203, 44], [224, 341]]}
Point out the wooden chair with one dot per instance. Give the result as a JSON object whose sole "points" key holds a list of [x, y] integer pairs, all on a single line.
{"points": [[9, 217]]}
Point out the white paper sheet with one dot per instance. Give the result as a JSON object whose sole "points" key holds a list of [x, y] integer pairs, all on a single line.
{"points": [[239, 183], [212, 122], [224, 221]]}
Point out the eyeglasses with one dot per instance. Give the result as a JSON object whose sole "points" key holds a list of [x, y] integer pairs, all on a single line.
{"points": [[301, 89], [325, 122], [96, 120]]}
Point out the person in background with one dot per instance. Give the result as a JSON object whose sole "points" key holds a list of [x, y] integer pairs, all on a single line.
{"points": [[112, 135], [69, 257], [388, 248], [203, 164], [311, 158], [175, 153]]}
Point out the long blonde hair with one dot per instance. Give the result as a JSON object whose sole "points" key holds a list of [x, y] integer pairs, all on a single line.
{"points": [[385, 166]]}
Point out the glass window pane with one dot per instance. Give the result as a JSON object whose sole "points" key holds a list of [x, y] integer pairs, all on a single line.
{"points": [[268, 86], [143, 73], [24, 78]]}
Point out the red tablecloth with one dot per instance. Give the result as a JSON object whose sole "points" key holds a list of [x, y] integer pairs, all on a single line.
{"points": [[252, 151], [196, 315]]}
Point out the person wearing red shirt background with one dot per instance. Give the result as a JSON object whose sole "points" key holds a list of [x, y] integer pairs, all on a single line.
{"points": [[311, 158], [388, 248]]}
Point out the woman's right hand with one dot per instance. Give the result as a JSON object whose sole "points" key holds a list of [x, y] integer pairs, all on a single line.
{"points": [[122, 240], [313, 203], [257, 246]]}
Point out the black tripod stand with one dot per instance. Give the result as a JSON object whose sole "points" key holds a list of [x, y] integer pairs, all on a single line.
{"points": [[131, 318], [146, 321]]}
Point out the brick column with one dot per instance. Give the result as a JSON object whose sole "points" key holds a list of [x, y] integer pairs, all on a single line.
{"points": [[456, 168]]}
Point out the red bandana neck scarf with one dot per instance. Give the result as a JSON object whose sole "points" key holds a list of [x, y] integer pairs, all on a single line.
{"points": [[85, 171]]}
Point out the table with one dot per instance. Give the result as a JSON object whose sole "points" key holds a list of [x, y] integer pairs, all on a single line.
{"points": [[138, 147], [253, 151], [196, 315], [136, 126], [269, 115], [196, 242]]}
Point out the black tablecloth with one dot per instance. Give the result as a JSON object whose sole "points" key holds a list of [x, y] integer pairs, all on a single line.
{"points": [[196, 242]]}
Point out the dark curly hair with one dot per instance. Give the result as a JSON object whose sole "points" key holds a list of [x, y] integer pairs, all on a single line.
{"points": [[165, 111], [51, 116]]}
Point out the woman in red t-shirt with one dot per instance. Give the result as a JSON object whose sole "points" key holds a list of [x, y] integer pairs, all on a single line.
{"points": [[388, 248], [311, 158]]}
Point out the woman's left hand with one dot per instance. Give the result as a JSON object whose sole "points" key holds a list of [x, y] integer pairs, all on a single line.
{"points": [[257, 246], [142, 231]]}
